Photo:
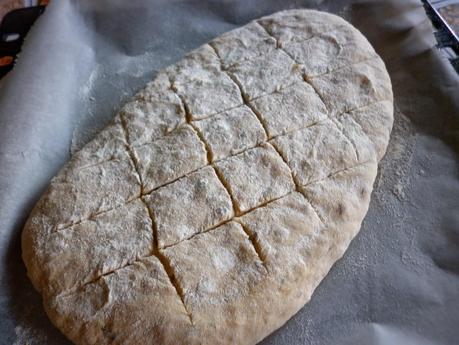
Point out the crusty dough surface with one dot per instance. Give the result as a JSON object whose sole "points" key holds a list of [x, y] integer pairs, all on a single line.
{"points": [[221, 194]]}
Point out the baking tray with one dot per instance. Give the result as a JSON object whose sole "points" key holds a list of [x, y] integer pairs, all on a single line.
{"points": [[399, 281]]}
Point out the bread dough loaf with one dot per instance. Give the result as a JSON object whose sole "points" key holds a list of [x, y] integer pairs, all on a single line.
{"points": [[221, 194]]}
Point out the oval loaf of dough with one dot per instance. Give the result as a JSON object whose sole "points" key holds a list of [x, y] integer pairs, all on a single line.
{"points": [[221, 194]]}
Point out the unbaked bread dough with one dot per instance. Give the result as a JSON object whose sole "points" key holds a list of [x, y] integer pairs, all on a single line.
{"points": [[221, 194]]}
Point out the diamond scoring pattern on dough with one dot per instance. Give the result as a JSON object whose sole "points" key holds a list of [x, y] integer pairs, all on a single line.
{"points": [[67, 225], [240, 88], [297, 186], [260, 118], [208, 150], [165, 262], [95, 196], [236, 219], [157, 252], [192, 204], [221, 177], [319, 95]]}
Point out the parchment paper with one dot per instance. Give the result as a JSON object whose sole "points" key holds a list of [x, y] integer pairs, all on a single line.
{"points": [[399, 281]]}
